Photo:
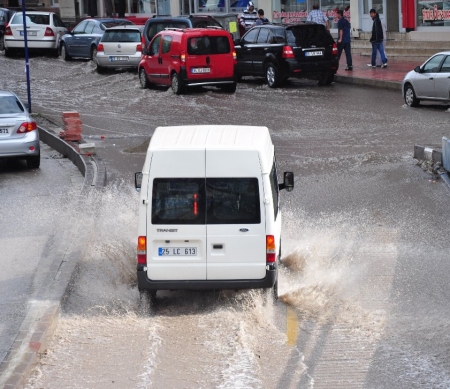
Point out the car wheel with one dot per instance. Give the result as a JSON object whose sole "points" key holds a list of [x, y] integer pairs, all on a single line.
{"points": [[100, 69], [410, 96], [2, 43], [147, 299], [177, 84], [143, 79], [326, 78], [64, 55], [230, 88], [272, 76], [8, 52], [94, 54], [34, 162]]}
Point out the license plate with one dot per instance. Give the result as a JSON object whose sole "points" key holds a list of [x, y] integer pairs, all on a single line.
{"points": [[29, 33], [312, 53], [4, 131], [200, 70], [112, 59], [176, 251]]}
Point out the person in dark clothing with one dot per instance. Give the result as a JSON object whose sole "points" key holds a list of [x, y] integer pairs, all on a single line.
{"points": [[261, 19], [377, 40], [344, 39]]}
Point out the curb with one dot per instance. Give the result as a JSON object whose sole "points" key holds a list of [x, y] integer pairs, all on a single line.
{"points": [[391, 85], [40, 322]]}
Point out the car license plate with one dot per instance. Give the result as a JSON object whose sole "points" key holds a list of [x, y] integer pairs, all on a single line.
{"points": [[176, 251], [112, 59], [29, 33], [200, 70], [312, 53], [4, 131]]}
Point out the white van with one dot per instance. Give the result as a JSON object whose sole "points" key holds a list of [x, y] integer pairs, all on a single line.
{"points": [[209, 214]]}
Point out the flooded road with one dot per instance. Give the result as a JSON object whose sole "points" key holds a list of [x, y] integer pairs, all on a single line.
{"points": [[364, 289]]}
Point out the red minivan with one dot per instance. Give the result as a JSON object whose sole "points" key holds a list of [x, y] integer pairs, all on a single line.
{"points": [[181, 58]]}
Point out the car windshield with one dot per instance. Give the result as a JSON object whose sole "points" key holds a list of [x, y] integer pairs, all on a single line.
{"points": [[9, 104], [208, 45], [31, 19], [121, 36]]}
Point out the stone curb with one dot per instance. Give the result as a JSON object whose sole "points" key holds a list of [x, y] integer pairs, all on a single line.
{"points": [[391, 85]]}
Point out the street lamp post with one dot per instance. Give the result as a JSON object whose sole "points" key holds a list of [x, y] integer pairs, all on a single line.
{"points": [[27, 63]]}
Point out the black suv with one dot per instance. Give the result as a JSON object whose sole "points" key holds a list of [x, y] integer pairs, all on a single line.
{"points": [[5, 17], [278, 52], [159, 23]]}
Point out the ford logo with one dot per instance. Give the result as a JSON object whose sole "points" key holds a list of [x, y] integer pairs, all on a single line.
{"points": [[243, 229]]}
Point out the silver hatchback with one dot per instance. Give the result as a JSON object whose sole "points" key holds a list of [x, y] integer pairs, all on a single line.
{"points": [[19, 136], [120, 47]]}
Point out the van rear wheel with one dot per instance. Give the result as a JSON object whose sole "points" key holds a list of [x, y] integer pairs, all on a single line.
{"points": [[230, 88], [177, 84], [147, 300]]}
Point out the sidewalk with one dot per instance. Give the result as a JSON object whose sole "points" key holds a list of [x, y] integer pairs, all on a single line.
{"points": [[387, 78]]}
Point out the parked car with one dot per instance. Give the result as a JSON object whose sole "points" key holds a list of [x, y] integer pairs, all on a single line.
{"points": [[189, 57], [120, 47], [430, 81], [209, 215], [278, 52], [82, 41], [157, 24], [44, 31], [5, 16], [19, 136]]}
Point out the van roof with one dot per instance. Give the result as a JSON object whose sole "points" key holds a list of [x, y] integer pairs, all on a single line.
{"points": [[211, 137]]}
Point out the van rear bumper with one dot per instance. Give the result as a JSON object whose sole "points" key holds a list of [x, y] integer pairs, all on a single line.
{"points": [[144, 283], [189, 81]]}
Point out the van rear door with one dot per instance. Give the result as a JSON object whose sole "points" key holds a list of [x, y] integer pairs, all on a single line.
{"points": [[236, 233], [176, 230]]}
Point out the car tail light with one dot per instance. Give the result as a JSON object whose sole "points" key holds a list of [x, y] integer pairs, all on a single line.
{"points": [[234, 57], [49, 32], [271, 255], [8, 31], [288, 52], [100, 47], [183, 57], [139, 47], [334, 50], [142, 250], [27, 127]]}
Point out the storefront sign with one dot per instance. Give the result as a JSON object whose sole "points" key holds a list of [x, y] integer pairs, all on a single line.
{"points": [[435, 14], [298, 17]]}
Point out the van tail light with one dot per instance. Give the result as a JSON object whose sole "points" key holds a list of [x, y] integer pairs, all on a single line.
{"points": [[234, 57], [100, 48], [143, 41], [139, 47], [27, 127], [195, 204], [8, 31], [142, 250], [183, 57], [288, 52], [49, 32], [271, 254], [334, 50]]}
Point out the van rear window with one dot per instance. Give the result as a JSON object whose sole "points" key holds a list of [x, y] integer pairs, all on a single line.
{"points": [[203, 45], [210, 201]]}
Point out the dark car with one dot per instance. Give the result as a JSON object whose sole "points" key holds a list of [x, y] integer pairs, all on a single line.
{"points": [[278, 52], [5, 16], [157, 24], [82, 41]]}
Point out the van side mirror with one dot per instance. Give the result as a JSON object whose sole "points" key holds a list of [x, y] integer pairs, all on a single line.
{"points": [[237, 42], [288, 182], [144, 50], [138, 181]]}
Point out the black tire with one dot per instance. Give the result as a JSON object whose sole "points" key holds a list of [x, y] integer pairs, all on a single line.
{"points": [[239, 78], [273, 77], [8, 52], [410, 96], [143, 80], [230, 88], [177, 84], [94, 54], [100, 69], [2, 43], [34, 162], [146, 302], [326, 78], [63, 52]]}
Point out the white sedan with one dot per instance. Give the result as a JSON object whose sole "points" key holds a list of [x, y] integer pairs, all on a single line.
{"points": [[430, 81], [43, 29]]}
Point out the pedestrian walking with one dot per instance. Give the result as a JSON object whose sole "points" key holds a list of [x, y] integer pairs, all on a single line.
{"points": [[261, 19], [317, 16], [377, 40], [344, 39], [378, 62], [248, 17]]}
